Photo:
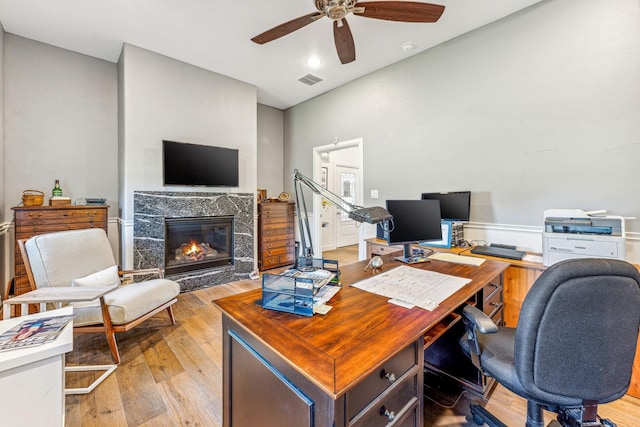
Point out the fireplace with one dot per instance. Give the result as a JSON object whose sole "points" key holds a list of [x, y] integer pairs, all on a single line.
{"points": [[152, 208], [198, 243]]}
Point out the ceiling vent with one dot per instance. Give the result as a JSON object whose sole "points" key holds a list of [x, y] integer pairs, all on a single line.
{"points": [[310, 79]]}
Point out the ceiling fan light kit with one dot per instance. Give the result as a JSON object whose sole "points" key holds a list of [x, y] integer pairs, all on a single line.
{"points": [[337, 10]]}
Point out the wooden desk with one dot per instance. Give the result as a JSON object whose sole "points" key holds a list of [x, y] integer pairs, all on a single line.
{"points": [[346, 368]]}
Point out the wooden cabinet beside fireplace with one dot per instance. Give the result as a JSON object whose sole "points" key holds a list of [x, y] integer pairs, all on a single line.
{"points": [[276, 245], [34, 220]]}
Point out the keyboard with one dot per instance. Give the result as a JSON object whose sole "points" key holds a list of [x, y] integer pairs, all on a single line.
{"points": [[498, 252]]}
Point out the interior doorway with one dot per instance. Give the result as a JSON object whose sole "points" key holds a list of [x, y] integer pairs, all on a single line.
{"points": [[338, 167]]}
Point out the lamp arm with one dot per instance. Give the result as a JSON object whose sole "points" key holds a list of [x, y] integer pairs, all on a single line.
{"points": [[333, 198], [372, 215]]}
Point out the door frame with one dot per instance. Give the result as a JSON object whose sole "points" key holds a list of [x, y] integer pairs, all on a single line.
{"points": [[317, 207]]}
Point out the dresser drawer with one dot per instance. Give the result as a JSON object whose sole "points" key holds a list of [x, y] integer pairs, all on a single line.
{"points": [[276, 261], [280, 243], [392, 405], [36, 229], [277, 251], [270, 219], [276, 237], [383, 250], [278, 226], [276, 208], [60, 216], [377, 382]]}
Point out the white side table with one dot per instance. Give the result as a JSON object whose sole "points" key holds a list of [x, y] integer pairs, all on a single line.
{"points": [[59, 295], [32, 379]]}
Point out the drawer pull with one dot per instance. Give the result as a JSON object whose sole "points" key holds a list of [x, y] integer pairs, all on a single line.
{"points": [[387, 413], [390, 376]]}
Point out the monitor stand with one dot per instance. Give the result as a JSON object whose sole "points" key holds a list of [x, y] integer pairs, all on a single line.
{"points": [[408, 257]]}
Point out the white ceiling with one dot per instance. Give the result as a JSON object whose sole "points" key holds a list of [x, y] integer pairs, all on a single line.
{"points": [[215, 35]]}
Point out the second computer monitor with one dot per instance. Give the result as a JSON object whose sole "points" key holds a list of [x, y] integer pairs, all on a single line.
{"points": [[454, 206]]}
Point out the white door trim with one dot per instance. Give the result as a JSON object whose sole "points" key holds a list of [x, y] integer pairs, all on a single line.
{"points": [[317, 208]]}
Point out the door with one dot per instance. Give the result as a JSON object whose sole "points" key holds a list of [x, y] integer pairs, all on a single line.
{"points": [[347, 188]]}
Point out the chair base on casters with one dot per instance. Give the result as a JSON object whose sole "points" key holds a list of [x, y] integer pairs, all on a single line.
{"points": [[481, 416]]}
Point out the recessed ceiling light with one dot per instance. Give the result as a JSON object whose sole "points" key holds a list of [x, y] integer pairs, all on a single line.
{"points": [[408, 46], [314, 62]]}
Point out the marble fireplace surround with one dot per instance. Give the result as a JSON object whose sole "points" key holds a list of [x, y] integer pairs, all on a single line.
{"points": [[150, 208]]}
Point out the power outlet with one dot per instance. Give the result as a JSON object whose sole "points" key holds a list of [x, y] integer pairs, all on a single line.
{"points": [[374, 194]]}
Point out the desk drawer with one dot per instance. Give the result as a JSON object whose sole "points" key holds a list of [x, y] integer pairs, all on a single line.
{"points": [[493, 301], [391, 406], [380, 380]]}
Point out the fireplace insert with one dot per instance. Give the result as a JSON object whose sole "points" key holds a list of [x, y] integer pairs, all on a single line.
{"points": [[197, 243]]}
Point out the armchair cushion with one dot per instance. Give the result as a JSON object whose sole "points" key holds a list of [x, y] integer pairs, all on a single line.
{"points": [[127, 303], [107, 277]]}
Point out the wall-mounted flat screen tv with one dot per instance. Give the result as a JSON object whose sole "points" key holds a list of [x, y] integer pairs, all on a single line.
{"points": [[204, 165]]}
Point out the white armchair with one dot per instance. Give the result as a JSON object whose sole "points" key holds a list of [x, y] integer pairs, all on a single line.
{"points": [[84, 258]]}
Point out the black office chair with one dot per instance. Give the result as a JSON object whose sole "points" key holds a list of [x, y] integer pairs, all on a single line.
{"points": [[573, 347]]}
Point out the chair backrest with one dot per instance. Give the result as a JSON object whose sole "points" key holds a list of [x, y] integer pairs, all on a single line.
{"points": [[577, 330], [56, 259]]}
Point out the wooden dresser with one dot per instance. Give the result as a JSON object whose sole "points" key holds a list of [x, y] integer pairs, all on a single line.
{"points": [[276, 246], [34, 220]]}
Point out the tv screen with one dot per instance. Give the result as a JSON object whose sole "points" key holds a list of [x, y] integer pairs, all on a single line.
{"points": [[413, 221], [454, 206], [193, 164]]}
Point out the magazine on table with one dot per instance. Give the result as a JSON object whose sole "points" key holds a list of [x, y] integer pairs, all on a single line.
{"points": [[33, 332]]}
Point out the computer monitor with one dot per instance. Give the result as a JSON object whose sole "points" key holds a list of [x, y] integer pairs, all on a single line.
{"points": [[414, 221], [454, 206]]}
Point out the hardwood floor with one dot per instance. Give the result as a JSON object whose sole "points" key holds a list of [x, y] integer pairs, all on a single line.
{"points": [[171, 375], [344, 255]]}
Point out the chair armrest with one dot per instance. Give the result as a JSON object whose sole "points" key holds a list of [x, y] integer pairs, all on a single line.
{"points": [[476, 321], [483, 323]]}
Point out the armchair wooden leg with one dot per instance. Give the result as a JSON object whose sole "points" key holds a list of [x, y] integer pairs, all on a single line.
{"points": [[170, 311], [109, 332]]}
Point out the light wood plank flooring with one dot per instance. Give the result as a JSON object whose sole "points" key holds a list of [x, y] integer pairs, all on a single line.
{"points": [[171, 375], [344, 255]]}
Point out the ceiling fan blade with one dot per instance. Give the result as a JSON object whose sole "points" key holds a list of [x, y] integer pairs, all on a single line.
{"points": [[286, 28], [344, 41], [402, 11]]}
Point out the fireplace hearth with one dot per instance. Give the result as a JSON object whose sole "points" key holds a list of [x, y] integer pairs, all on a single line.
{"points": [[198, 243]]}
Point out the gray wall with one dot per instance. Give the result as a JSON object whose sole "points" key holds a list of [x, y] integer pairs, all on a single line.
{"points": [[162, 98], [270, 148], [60, 123], [540, 110], [5, 255]]}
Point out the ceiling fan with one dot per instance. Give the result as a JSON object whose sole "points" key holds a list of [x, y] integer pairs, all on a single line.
{"points": [[337, 10]]}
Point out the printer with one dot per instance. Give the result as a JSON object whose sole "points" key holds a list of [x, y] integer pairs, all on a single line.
{"points": [[574, 233]]}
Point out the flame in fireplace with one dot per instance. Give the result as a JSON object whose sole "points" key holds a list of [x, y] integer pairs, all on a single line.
{"points": [[192, 250]]}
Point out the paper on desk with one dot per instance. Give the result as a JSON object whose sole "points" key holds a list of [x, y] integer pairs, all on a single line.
{"points": [[460, 259], [423, 288], [325, 294]]}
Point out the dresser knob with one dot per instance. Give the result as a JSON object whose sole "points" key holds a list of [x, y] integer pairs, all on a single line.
{"points": [[387, 413], [390, 376]]}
